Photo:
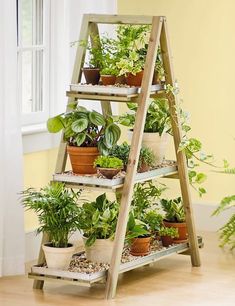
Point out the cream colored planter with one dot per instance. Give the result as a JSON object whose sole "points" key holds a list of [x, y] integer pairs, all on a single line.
{"points": [[157, 143], [58, 258], [101, 251]]}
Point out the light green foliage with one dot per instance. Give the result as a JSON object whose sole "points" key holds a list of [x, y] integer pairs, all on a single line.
{"points": [[86, 129], [135, 228], [168, 231], [157, 118], [108, 162], [154, 220], [174, 210], [98, 219], [227, 232], [57, 210]]}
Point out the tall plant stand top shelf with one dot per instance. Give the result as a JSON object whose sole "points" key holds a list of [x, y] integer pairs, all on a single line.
{"points": [[158, 37]]}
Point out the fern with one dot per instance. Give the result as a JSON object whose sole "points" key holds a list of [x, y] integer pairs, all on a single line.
{"points": [[227, 232]]}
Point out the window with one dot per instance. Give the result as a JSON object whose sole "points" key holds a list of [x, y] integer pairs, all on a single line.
{"points": [[33, 59]]}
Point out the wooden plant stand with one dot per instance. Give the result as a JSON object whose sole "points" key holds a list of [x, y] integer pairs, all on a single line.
{"points": [[158, 37]]}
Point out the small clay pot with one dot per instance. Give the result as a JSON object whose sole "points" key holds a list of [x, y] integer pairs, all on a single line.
{"points": [[92, 75], [82, 159], [140, 246], [182, 230], [167, 240], [144, 168], [109, 173], [135, 80], [108, 79]]}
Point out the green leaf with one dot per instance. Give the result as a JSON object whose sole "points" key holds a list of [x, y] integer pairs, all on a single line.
{"points": [[79, 125], [80, 138], [112, 134], [100, 201], [200, 178], [91, 240], [95, 217], [131, 222], [103, 148], [81, 109], [55, 124], [96, 118]]}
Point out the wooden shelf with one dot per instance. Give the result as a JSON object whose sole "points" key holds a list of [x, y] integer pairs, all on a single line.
{"points": [[95, 182], [83, 279]]}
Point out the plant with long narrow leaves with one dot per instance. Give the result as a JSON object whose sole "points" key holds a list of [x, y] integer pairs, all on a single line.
{"points": [[57, 210]]}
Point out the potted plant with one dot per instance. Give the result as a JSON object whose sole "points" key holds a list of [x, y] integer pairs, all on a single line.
{"points": [[132, 44], [138, 236], [167, 234], [108, 166], [146, 158], [95, 57], [157, 126], [97, 220], [57, 210], [154, 219], [175, 217], [87, 133]]}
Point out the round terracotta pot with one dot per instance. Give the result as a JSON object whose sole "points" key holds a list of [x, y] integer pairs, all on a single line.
{"points": [[92, 75], [108, 79], [140, 246], [166, 241], [82, 159], [144, 168], [182, 231], [109, 173], [134, 80]]}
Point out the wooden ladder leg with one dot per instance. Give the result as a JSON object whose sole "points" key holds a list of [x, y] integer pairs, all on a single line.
{"points": [[38, 284], [128, 186], [181, 159]]}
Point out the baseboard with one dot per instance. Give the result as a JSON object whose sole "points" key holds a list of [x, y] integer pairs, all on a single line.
{"points": [[202, 216], [204, 221]]}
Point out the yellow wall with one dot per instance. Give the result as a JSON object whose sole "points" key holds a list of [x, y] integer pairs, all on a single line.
{"points": [[203, 48], [38, 170]]}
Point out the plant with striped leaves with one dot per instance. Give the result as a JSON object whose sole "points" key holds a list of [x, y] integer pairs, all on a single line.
{"points": [[85, 128]]}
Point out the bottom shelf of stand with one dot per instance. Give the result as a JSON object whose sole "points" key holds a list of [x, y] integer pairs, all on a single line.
{"points": [[88, 279]]}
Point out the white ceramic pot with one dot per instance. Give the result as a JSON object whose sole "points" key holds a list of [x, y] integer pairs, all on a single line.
{"points": [[157, 143], [101, 251], [58, 258]]}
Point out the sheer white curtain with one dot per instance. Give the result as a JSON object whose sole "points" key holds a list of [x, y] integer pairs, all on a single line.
{"points": [[11, 180]]}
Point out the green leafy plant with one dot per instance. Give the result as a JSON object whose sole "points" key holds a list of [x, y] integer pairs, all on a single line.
{"points": [[157, 118], [174, 210], [98, 219], [227, 231], [154, 220], [136, 228], [57, 210], [122, 152], [84, 128], [168, 231], [108, 162]]}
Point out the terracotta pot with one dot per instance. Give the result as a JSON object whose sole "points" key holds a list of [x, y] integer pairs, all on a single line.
{"points": [[121, 79], [134, 80], [108, 79], [182, 231], [144, 168], [167, 240], [140, 246], [92, 75], [82, 159], [58, 258], [109, 173]]}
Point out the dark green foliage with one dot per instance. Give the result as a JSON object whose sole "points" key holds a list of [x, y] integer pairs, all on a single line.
{"points": [[86, 129], [174, 210], [57, 211], [108, 162], [98, 219], [154, 220]]}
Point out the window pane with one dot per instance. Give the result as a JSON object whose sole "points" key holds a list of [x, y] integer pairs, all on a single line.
{"points": [[32, 22], [32, 81]]}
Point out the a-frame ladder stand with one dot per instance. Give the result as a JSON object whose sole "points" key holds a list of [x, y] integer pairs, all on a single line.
{"points": [[158, 37]]}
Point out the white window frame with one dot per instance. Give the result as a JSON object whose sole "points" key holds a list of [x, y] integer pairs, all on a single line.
{"points": [[32, 119]]}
